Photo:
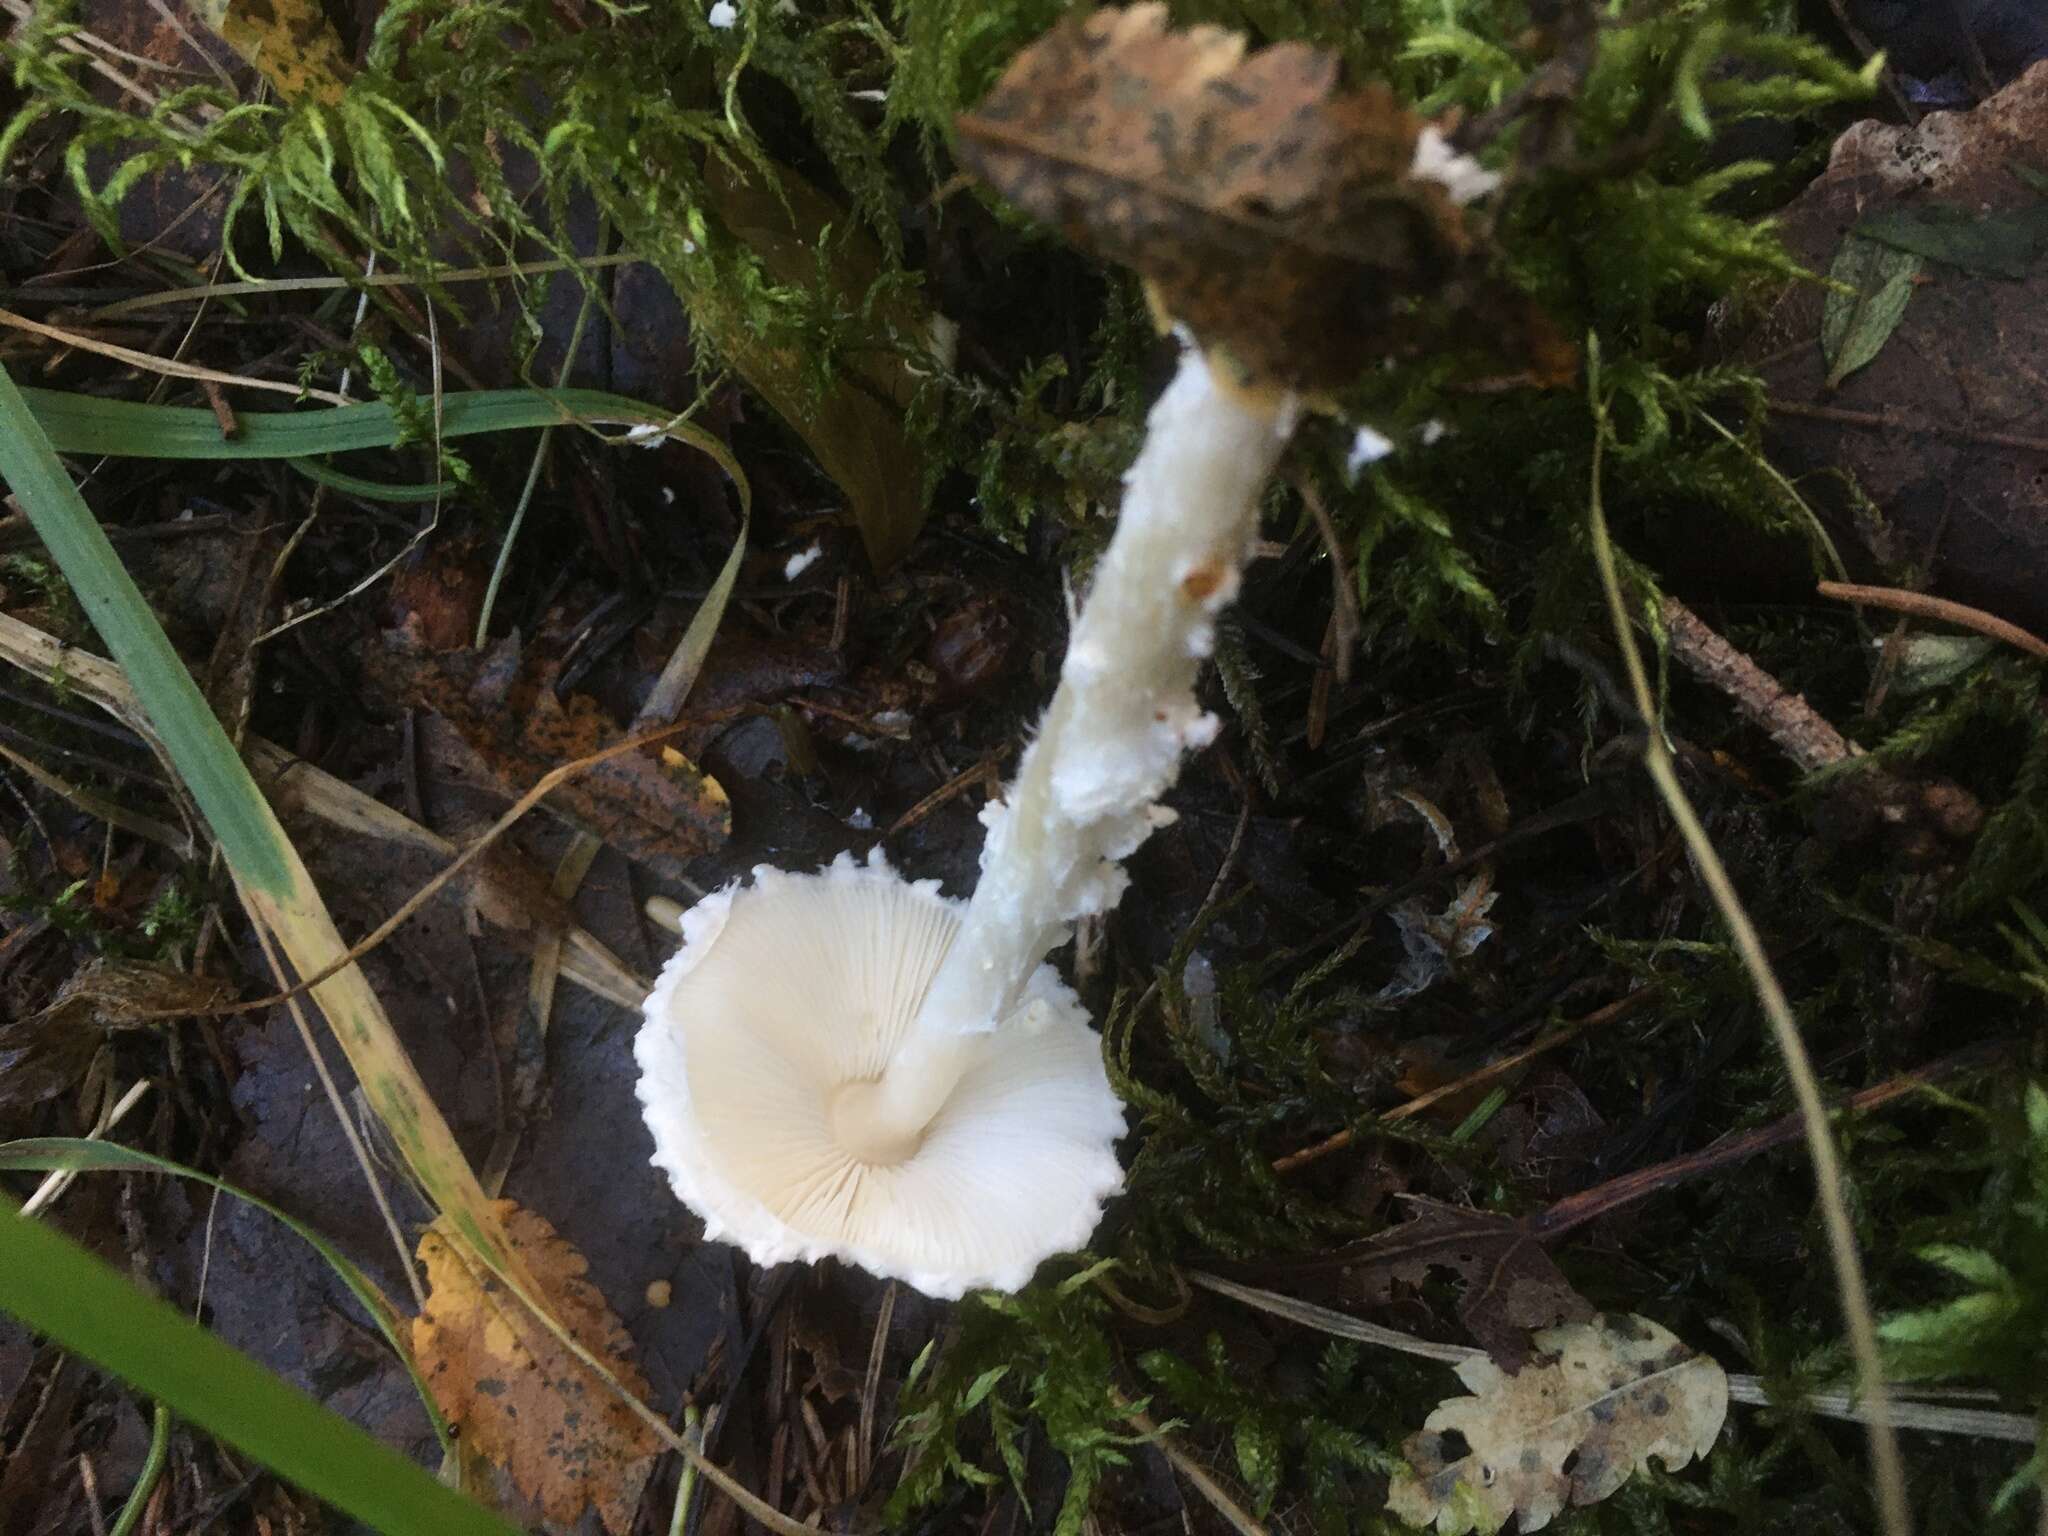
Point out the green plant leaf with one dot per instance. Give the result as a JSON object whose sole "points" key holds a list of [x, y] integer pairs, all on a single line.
{"points": [[86, 1306], [1971, 1265], [1859, 316], [47, 1154], [855, 426], [276, 888], [1257, 1443], [1965, 1321], [984, 1384], [134, 429], [2003, 244]]}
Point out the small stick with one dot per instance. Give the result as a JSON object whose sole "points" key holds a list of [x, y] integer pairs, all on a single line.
{"points": [[871, 1387], [1572, 1027], [164, 365], [1588, 1204], [1921, 606], [1795, 725], [1884, 421], [1345, 622], [1197, 1475], [58, 1180], [222, 411], [1319, 691], [976, 772], [547, 783], [1869, 51]]}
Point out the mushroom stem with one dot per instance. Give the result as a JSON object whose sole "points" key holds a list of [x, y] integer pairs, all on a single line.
{"points": [[1087, 791], [882, 1122]]}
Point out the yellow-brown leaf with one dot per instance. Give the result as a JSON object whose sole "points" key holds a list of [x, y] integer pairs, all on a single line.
{"points": [[290, 41], [516, 1394]]}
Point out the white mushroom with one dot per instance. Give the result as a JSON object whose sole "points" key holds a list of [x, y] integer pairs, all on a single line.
{"points": [[849, 1063], [790, 993]]}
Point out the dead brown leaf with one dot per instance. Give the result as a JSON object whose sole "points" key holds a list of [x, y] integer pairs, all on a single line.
{"points": [[48, 1052], [516, 1393], [114, 994], [1606, 1397], [1548, 1130], [1509, 1282], [507, 728], [1271, 212]]}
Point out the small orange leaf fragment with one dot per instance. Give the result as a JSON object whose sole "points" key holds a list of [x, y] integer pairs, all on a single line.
{"points": [[291, 42], [516, 1393]]}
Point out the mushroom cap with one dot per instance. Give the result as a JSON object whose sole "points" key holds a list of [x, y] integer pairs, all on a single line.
{"points": [[789, 989]]}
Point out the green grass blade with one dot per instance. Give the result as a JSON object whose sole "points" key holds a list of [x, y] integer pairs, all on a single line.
{"points": [[279, 892], [226, 795], [135, 429], [50, 1154], [59, 1289], [369, 490]]}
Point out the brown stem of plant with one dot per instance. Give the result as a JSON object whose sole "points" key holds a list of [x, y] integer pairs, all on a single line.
{"points": [[1884, 421], [1795, 725], [1921, 606], [1619, 1008], [1345, 621], [1590, 1204]]}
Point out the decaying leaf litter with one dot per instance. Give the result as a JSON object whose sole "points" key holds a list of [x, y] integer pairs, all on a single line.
{"points": [[1243, 981]]}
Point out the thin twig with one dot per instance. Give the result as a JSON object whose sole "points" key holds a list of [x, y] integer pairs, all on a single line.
{"points": [[1344, 617], [1197, 1475], [298, 787], [349, 1132], [22, 10], [103, 809], [1864, 46], [1574, 1211], [1940, 609], [150, 362], [266, 285], [1894, 1510], [871, 1385], [1567, 1031], [547, 784], [58, 1180], [974, 773], [1885, 421], [541, 979], [1800, 730], [533, 469]]}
